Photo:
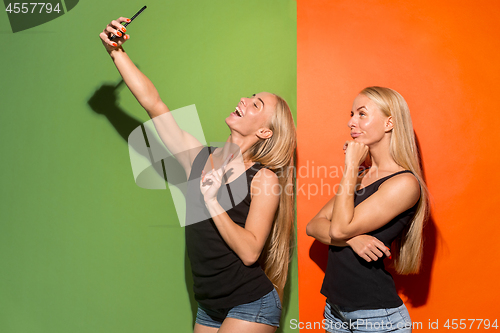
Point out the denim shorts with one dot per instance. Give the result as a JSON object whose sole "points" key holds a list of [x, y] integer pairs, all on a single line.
{"points": [[379, 320], [265, 310]]}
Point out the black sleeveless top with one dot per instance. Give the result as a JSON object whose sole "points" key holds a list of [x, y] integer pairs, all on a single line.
{"points": [[221, 280], [352, 282]]}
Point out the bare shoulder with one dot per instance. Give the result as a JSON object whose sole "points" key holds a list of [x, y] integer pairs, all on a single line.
{"points": [[404, 179], [404, 184], [264, 182], [265, 176]]}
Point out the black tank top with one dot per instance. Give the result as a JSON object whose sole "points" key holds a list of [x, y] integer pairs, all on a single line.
{"points": [[352, 282], [221, 280]]}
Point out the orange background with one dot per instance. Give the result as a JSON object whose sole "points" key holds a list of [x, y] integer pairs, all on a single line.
{"points": [[443, 57]]}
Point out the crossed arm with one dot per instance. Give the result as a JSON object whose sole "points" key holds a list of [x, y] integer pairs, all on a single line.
{"points": [[365, 246], [394, 196], [339, 223]]}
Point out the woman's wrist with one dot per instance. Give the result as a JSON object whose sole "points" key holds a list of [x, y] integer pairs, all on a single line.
{"points": [[211, 201], [213, 206], [351, 169], [350, 176], [349, 241], [116, 52]]}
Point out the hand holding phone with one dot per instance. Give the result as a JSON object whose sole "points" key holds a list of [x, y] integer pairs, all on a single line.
{"points": [[115, 30]]}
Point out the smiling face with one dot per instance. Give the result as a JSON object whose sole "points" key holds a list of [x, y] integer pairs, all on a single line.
{"points": [[368, 124], [252, 114]]}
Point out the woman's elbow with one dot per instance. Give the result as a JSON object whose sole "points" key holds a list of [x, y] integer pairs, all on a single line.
{"points": [[249, 259], [314, 228], [337, 234], [309, 231]]}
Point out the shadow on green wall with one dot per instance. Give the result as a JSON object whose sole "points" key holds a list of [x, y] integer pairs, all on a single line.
{"points": [[104, 101]]}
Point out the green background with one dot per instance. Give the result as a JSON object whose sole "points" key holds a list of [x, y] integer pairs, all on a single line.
{"points": [[82, 247]]}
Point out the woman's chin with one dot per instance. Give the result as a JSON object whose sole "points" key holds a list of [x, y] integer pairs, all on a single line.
{"points": [[230, 124], [359, 139]]}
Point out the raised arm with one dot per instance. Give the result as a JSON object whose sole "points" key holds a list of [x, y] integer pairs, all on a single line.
{"points": [[181, 144]]}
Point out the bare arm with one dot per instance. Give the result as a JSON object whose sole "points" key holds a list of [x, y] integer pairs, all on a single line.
{"points": [[319, 226], [249, 241], [394, 196], [365, 246], [180, 143]]}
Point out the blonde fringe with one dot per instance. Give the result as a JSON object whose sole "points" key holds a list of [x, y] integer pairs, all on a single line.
{"points": [[403, 148]]}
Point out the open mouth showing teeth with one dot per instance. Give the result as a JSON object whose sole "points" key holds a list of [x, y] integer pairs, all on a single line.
{"points": [[238, 112]]}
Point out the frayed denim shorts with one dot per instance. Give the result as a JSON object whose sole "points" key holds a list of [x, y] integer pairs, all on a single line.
{"points": [[265, 310], [378, 320]]}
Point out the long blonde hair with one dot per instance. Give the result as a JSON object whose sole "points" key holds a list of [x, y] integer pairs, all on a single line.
{"points": [[404, 151], [276, 153]]}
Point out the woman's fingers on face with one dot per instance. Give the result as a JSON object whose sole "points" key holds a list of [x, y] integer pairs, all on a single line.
{"points": [[352, 143], [355, 147]]}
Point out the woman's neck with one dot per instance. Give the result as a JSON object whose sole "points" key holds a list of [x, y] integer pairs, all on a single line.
{"points": [[236, 145], [381, 158]]}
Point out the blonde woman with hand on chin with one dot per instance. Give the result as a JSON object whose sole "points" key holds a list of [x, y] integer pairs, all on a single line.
{"points": [[386, 204], [239, 256]]}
